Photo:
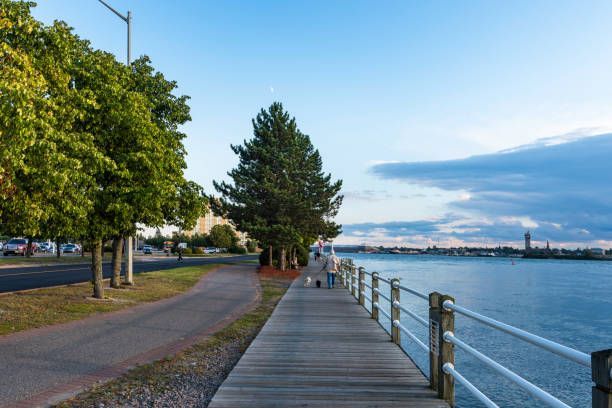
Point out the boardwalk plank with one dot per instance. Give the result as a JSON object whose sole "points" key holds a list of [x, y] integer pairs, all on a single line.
{"points": [[321, 349]]}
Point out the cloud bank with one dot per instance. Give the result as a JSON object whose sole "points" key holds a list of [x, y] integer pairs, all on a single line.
{"points": [[561, 190]]}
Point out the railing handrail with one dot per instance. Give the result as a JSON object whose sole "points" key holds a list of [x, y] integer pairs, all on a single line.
{"points": [[414, 292], [450, 369], [549, 345], [411, 314], [444, 305], [509, 374]]}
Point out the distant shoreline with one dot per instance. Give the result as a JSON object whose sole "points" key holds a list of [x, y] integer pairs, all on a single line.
{"points": [[556, 257]]}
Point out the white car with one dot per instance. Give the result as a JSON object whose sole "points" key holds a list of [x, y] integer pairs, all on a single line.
{"points": [[47, 247]]}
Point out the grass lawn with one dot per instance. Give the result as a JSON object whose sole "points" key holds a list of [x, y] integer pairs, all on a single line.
{"points": [[42, 307], [211, 361]]}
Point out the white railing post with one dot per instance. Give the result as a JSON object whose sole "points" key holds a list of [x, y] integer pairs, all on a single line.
{"points": [[441, 352], [601, 373], [395, 311], [374, 295]]}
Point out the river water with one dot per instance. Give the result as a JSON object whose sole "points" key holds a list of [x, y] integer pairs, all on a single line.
{"points": [[569, 302]]}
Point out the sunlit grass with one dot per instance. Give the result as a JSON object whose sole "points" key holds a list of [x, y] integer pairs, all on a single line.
{"points": [[41, 307]]}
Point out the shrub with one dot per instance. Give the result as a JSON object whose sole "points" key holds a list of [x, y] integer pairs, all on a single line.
{"points": [[187, 251], [251, 245], [198, 251], [302, 255], [264, 258], [238, 249]]}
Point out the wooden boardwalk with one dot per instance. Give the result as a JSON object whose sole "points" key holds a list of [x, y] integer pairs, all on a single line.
{"points": [[321, 349]]}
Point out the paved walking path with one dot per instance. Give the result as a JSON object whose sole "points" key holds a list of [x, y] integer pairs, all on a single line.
{"points": [[321, 349], [48, 364]]}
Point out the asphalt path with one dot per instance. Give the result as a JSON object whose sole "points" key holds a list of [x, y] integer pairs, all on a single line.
{"points": [[42, 366], [32, 277]]}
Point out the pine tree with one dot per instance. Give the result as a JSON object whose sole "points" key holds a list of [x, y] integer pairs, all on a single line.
{"points": [[280, 194]]}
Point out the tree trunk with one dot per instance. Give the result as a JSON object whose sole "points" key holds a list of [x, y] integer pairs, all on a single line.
{"points": [[57, 248], [270, 261], [283, 261], [116, 262], [83, 249], [96, 268], [29, 248]]}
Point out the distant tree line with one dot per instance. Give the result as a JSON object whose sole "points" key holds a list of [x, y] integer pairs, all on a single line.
{"points": [[220, 236], [279, 193], [89, 147]]}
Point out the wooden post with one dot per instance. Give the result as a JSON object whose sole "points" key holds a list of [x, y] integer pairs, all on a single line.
{"points": [[353, 280], [361, 285], [374, 295], [395, 311], [440, 351], [601, 373]]}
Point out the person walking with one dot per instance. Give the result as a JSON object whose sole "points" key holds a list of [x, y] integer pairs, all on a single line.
{"points": [[180, 254], [332, 265]]}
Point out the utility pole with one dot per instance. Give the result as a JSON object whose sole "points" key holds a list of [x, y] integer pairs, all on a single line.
{"points": [[129, 267]]}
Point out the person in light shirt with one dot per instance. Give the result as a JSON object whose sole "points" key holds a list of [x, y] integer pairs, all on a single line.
{"points": [[332, 265]]}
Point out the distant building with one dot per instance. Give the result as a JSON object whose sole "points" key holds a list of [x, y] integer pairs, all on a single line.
{"points": [[527, 241], [205, 224], [598, 251]]}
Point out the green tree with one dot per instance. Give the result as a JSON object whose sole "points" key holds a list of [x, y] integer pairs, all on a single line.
{"points": [[223, 236], [280, 195], [43, 190]]}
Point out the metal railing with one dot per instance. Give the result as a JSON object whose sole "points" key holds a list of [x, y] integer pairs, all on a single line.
{"points": [[442, 341]]}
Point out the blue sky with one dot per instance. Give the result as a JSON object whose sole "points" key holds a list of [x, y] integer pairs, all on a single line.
{"points": [[425, 84]]}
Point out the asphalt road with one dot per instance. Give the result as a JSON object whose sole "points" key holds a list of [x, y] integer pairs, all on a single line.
{"points": [[32, 277]]}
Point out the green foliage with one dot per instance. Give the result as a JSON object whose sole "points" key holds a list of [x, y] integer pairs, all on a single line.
{"points": [[89, 148], [303, 255], [223, 236], [187, 251], [251, 245], [198, 251], [264, 256], [280, 195], [238, 249], [43, 188]]}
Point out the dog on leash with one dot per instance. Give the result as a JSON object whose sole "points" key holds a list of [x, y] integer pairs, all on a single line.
{"points": [[307, 281]]}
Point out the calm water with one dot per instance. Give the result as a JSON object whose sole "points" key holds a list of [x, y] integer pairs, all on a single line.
{"points": [[566, 301]]}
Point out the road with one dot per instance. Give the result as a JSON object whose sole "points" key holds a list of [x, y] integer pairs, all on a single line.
{"points": [[32, 277]]}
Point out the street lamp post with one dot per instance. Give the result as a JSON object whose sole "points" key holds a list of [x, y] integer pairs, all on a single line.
{"points": [[129, 267], [128, 19]]}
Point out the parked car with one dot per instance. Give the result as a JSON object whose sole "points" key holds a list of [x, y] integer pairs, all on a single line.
{"points": [[1, 246], [70, 249], [46, 247], [147, 249], [16, 246], [211, 250]]}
